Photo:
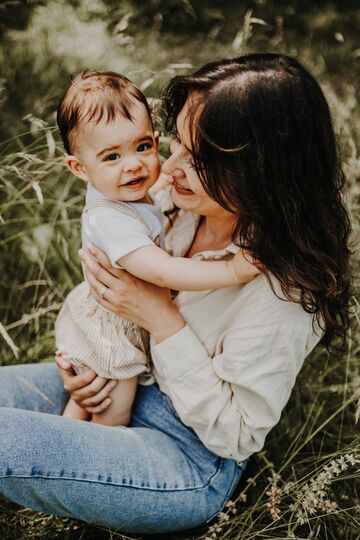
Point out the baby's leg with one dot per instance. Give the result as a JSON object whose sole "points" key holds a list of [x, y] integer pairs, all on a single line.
{"points": [[72, 410], [119, 412]]}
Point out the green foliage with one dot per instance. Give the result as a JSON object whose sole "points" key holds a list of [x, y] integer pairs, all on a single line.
{"points": [[16, 14], [39, 236], [40, 207], [146, 39]]}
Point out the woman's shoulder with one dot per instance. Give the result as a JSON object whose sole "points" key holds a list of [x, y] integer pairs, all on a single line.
{"points": [[264, 300], [264, 307]]}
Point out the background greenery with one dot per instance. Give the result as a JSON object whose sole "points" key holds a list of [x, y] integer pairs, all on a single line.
{"points": [[41, 44]]}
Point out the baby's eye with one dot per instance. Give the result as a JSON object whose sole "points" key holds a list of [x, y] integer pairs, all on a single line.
{"points": [[143, 147], [112, 157]]}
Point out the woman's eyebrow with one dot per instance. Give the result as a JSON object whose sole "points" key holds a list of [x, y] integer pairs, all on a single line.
{"points": [[176, 136]]}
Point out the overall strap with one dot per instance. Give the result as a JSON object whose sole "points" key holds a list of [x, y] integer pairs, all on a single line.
{"points": [[122, 207]]}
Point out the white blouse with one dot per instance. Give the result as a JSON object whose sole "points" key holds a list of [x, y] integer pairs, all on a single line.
{"points": [[230, 371]]}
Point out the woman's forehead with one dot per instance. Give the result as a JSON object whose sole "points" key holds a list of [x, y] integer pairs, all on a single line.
{"points": [[188, 116]]}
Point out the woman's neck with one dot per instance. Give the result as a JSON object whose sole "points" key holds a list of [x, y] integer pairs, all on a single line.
{"points": [[212, 233], [217, 229]]}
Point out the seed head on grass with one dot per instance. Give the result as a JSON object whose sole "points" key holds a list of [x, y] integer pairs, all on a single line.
{"points": [[313, 496]]}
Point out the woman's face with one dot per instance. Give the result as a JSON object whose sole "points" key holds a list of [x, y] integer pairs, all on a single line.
{"points": [[187, 191]]}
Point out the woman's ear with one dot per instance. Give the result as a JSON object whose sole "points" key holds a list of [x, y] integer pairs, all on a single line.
{"points": [[76, 167]]}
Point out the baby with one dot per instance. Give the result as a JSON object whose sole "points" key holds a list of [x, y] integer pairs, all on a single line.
{"points": [[107, 131]]}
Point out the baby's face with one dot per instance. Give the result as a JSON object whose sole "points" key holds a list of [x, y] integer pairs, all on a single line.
{"points": [[120, 158]]}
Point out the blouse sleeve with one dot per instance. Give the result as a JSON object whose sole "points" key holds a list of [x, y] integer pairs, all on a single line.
{"points": [[233, 399]]}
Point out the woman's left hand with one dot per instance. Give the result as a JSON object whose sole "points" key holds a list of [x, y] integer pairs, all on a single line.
{"points": [[143, 303]]}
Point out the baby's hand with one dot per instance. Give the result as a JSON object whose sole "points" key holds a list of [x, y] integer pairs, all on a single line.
{"points": [[161, 183], [243, 267]]}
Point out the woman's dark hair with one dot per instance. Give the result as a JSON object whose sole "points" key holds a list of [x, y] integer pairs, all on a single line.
{"points": [[264, 148]]}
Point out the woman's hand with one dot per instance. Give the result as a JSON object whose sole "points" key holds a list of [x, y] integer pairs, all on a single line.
{"points": [[143, 303], [88, 390]]}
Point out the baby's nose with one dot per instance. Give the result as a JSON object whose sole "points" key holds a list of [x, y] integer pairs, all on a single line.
{"points": [[132, 164]]}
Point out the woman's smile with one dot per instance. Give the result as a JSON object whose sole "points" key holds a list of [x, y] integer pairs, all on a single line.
{"points": [[181, 189]]}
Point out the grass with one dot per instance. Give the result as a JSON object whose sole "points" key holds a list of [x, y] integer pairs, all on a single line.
{"points": [[305, 483]]}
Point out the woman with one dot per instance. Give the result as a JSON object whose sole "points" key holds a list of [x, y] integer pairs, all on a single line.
{"points": [[254, 166]]}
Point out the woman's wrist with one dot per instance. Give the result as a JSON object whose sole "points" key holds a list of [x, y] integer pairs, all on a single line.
{"points": [[168, 323]]}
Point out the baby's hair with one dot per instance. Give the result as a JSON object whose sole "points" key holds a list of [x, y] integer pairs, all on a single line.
{"points": [[95, 96]]}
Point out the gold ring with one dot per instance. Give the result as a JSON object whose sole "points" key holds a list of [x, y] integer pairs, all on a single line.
{"points": [[103, 290]]}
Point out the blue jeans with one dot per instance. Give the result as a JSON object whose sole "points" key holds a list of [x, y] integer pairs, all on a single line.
{"points": [[154, 476]]}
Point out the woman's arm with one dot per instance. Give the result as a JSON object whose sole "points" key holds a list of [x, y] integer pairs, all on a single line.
{"points": [[141, 302], [145, 304], [233, 399], [153, 264]]}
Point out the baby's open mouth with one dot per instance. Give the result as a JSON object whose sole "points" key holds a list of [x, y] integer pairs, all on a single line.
{"points": [[136, 181]]}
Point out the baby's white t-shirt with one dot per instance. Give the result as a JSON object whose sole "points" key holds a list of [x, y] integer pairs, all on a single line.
{"points": [[117, 233]]}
